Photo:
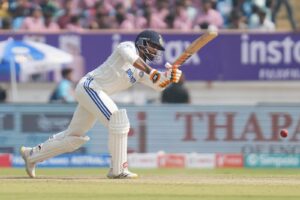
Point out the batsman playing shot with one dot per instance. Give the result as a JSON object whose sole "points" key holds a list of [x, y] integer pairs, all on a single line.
{"points": [[126, 66]]}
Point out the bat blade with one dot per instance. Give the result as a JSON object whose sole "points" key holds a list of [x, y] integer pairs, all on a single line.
{"points": [[195, 46]]}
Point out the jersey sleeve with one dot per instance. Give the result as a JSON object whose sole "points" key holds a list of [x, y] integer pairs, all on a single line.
{"points": [[128, 52]]}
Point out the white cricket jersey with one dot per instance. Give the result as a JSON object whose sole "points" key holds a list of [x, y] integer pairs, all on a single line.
{"points": [[117, 73]]}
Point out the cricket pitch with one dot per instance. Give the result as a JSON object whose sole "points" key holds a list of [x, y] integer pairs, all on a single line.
{"points": [[156, 184]]}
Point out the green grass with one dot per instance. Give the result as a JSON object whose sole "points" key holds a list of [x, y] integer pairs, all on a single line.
{"points": [[156, 184]]}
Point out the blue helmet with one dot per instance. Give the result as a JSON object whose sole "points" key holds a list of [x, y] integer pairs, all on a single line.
{"points": [[149, 38]]}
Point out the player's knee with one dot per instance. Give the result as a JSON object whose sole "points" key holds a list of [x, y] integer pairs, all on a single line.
{"points": [[74, 142], [69, 142], [78, 131], [119, 123]]}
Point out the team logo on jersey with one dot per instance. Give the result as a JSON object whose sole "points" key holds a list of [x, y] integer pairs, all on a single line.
{"points": [[141, 74], [130, 76]]}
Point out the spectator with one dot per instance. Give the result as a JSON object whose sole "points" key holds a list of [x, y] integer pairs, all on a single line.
{"points": [[208, 16], [19, 10], [124, 20], [50, 25], [99, 17], [48, 6], [156, 17], [264, 23], [182, 20], [4, 9], [74, 24], [128, 20], [237, 20], [6, 24], [102, 21], [128, 23], [2, 95], [64, 91], [176, 93], [253, 20], [65, 15], [225, 7], [289, 10], [140, 22], [269, 6], [190, 9], [35, 22], [245, 6], [142, 14], [170, 20]]}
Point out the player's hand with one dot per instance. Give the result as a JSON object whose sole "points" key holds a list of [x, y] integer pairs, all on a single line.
{"points": [[173, 74]]}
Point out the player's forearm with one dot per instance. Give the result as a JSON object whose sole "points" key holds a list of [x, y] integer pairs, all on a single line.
{"points": [[140, 64]]}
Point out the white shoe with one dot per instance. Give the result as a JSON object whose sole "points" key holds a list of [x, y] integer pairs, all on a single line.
{"points": [[30, 167], [126, 174]]}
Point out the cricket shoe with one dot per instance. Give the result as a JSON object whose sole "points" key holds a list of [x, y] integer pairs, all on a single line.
{"points": [[30, 167], [126, 174]]}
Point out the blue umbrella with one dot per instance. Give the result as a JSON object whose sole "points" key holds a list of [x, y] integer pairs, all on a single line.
{"points": [[12, 52], [28, 57]]}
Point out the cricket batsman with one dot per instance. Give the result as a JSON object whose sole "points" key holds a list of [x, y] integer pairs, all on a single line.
{"points": [[126, 66]]}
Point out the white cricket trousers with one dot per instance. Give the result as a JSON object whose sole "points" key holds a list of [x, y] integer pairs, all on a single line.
{"points": [[93, 104]]}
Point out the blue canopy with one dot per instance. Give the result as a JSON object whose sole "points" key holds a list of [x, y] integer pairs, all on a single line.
{"points": [[12, 49]]}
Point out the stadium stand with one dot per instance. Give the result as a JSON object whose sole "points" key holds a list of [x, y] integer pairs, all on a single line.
{"points": [[184, 15]]}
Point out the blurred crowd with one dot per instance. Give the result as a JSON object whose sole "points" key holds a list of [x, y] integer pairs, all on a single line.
{"points": [[184, 15]]}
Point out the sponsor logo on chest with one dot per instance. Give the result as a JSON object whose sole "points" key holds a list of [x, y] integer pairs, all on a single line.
{"points": [[130, 76]]}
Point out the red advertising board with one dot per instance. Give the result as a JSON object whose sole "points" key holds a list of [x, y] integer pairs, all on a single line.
{"points": [[171, 160], [142, 160], [5, 160], [229, 160]]}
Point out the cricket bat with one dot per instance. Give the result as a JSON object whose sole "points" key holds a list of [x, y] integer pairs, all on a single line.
{"points": [[191, 49], [195, 46]]}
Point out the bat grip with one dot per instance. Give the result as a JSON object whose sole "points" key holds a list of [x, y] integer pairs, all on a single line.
{"points": [[169, 66]]}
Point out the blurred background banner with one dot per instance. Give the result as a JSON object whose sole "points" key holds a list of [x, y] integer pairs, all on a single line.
{"points": [[205, 129], [75, 160], [232, 56]]}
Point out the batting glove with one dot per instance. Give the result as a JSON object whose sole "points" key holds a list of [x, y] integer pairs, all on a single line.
{"points": [[155, 75], [172, 74]]}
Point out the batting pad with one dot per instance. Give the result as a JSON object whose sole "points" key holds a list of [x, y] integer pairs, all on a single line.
{"points": [[118, 130], [56, 145]]}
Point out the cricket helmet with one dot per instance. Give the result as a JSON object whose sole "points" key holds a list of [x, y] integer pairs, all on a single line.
{"points": [[149, 39]]}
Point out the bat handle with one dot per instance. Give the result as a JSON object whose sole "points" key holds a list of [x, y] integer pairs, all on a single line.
{"points": [[169, 66]]}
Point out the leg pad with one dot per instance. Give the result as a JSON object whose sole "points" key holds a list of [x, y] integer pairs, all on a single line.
{"points": [[118, 131]]}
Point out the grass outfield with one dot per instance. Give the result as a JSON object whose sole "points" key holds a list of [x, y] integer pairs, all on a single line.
{"points": [[156, 184]]}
